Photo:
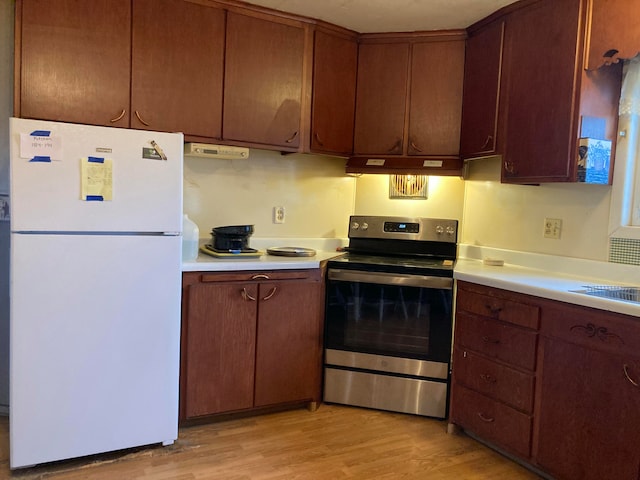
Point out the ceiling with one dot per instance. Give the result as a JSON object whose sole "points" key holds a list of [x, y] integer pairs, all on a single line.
{"points": [[366, 16]]}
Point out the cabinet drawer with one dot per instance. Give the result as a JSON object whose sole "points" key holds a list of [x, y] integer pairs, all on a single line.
{"points": [[494, 380], [246, 276], [492, 420], [499, 308], [512, 345], [599, 329]]}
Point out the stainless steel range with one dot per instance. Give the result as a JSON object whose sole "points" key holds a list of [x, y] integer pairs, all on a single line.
{"points": [[389, 315]]}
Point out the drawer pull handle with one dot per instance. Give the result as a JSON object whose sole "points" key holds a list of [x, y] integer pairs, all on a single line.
{"points": [[246, 296], [271, 293], [320, 142], [260, 276], [493, 310], [485, 419], [601, 333], [486, 339], [625, 367], [488, 378]]}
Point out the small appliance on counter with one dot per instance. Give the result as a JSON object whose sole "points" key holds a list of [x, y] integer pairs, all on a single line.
{"points": [[230, 241]]}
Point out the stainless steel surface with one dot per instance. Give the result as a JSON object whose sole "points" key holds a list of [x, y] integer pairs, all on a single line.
{"points": [[612, 292], [382, 278], [428, 229], [384, 363], [291, 251], [384, 392]]}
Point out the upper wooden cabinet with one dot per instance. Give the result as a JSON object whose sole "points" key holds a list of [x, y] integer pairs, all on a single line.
{"points": [[263, 81], [481, 98], [614, 33], [380, 98], [177, 67], [73, 61], [335, 63], [547, 93], [409, 95], [96, 63]]}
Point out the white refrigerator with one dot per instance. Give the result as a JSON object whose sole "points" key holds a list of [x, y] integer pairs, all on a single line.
{"points": [[95, 284]]}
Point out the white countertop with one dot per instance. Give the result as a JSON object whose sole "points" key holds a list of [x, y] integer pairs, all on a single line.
{"points": [[548, 276], [325, 249]]}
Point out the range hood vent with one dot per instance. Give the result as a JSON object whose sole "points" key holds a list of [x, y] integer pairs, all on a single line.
{"points": [[443, 166], [215, 151]]}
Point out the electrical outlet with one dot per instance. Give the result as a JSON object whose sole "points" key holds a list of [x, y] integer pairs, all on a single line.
{"points": [[278, 214], [552, 228]]}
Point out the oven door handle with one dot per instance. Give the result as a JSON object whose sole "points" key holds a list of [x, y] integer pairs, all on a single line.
{"points": [[383, 278]]}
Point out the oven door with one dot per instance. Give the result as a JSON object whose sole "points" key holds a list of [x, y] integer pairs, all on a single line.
{"points": [[390, 314]]}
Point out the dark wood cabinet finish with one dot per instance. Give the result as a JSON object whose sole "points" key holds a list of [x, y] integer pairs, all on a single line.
{"points": [[614, 32], [249, 340], [289, 342], [547, 92], [220, 348], [335, 63], [481, 98], [73, 61], [492, 420], [436, 98], [589, 412], [263, 81], [381, 98], [405, 105], [494, 361], [177, 67], [571, 408]]}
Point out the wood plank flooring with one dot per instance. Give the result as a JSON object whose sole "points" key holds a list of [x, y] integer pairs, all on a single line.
{"points": [[335, 442]]}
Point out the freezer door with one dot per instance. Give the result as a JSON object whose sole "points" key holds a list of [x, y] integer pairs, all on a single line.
{"points": [[46, 196], [95, 326]]}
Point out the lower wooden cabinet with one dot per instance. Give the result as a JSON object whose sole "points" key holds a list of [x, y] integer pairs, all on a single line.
{"points": [[493, 366], [249, 340], [588, 423], [562, 394]]}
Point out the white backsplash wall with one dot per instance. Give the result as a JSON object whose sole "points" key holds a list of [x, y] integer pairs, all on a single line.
{"points": [[317, 195], [512, 216], [445, 198]]}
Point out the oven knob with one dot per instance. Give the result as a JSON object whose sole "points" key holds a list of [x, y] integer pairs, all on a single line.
{"points": [[365, 226], [450, 230], [439, 229], [355, 226]]}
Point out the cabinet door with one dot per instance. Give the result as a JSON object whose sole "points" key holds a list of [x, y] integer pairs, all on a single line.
{"points": [[589, 413], [263, 81], [436, 98], [480, 101], [74, 60], [380, 98], [289, 352], [178, 52], [220, 348], [541, 95], [334, 92], [614, 32]]}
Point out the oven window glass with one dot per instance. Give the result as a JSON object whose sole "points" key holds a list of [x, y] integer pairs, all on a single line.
{"points": [[401, 321]]}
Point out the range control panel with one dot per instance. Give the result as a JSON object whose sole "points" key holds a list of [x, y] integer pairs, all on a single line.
{"points": [[417, 229]]}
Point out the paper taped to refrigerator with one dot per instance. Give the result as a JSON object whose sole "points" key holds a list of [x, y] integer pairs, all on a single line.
{"points": [[97, 179], [40, 146]]}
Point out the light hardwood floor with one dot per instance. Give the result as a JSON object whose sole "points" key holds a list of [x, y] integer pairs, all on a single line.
{"points": [[332, 443]]}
